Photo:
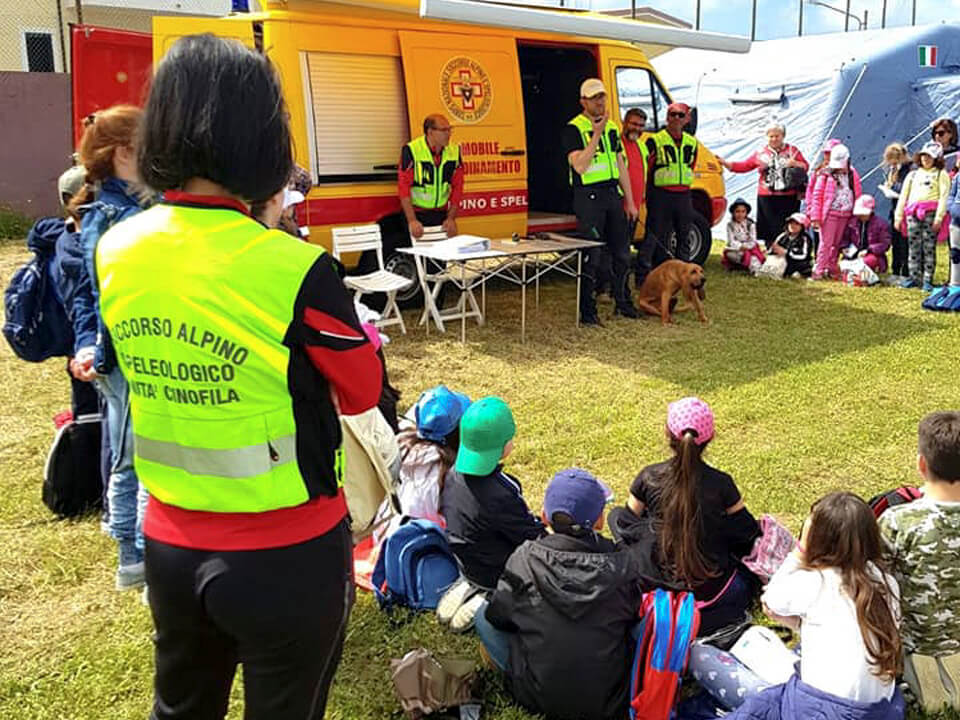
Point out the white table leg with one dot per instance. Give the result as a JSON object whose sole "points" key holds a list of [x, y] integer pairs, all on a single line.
{"points": [[579, 275], [463, 303], [523, 299]]}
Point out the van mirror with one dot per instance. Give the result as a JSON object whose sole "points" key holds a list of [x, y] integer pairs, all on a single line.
{"points": [[691, 126]]}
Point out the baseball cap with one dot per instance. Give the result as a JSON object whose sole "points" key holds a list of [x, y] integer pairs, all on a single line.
{"points": [[864, 205], [485, 429], [678, 107], [839, 157], [932, 148], [800, 218], [438, 411], [577, 493], [71, 181], [690, 413], [592, 87], [830, 144]]}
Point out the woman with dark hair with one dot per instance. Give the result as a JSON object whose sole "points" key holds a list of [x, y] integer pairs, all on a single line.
{"points": [[241, 347], [694, 519], [943, 130], [778, 196]]}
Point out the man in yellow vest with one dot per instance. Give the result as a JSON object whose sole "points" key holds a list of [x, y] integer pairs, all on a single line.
{"points": [[671, 154], [601, 190], [634, 126], [430, 178]]}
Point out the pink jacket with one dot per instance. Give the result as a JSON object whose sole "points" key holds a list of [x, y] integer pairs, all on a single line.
{"points": [[824, 191]]}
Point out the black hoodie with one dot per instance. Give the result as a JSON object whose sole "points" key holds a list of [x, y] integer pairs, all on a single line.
{"points": [[569, 605]]}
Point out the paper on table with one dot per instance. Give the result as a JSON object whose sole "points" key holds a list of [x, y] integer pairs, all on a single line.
{"points": [[464, 243]]}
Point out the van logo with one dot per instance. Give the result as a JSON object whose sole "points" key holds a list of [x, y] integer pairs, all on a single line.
{"points": [[466, 89]]}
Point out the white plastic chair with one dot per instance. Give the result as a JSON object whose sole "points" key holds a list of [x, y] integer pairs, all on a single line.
{"points": [[367, 237], [457, 274]]}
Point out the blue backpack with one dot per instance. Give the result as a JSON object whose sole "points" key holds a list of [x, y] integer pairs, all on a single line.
{"points": [[36, 324], [665, 635], [415, 567]]}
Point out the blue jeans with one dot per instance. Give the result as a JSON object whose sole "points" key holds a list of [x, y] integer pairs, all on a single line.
{"points": [[127, 499], [496, 641]]}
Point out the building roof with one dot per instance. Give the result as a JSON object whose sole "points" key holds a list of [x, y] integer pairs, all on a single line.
{"points": [[645, 13]]}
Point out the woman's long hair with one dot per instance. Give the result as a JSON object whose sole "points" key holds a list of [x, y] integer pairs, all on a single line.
{"points": [[104, 132], [844, 535], [679, 525]]}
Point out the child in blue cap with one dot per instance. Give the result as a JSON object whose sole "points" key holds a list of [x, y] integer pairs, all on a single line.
{"points": [[558, 625]]}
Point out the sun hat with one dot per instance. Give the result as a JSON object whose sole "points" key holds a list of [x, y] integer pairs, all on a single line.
{"points": [[864, 205], [591, 88], [690, 413], [933, 149], [738, 202], [485, 429], [678, 107], [839, 157], [71, 180], [577, 493], [799, 217], [438, 411]]}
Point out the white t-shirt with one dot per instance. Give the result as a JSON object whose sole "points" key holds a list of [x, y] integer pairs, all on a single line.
{"points": [[833, 655]]}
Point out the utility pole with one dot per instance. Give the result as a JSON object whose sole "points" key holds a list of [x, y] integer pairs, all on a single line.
{"points": [[753, 23], [883, 16], [866, 14], [80, 11], [913, 19], [697, 23], [846, 19], [633, 9], [800, 28]]}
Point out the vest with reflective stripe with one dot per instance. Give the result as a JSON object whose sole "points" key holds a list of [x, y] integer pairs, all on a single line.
{"points": [[670, 166], [604, 166], [197, 302], [431, 184]]}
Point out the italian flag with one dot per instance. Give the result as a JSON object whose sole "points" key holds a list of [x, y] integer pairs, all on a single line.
{"points": [[927, 55]]}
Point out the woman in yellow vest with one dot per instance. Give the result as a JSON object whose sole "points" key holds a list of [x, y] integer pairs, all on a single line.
{"points": [[240, 345]]}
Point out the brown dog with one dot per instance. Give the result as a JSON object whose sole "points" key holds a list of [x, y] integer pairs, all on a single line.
{"points": [[657, 295]]}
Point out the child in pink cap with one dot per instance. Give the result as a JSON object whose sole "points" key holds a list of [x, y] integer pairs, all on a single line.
{"points": [[834, 195], [687, 521], [867, 235], [795, 244]]}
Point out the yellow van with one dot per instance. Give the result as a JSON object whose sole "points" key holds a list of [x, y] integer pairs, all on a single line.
{"points": [[360, 80]]}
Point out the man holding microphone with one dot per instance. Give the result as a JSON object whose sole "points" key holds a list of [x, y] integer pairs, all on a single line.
{"points": [[601, 191]]}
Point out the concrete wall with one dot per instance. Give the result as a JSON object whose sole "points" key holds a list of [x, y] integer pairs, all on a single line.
{"points": [[16, 16], [35, 143]]}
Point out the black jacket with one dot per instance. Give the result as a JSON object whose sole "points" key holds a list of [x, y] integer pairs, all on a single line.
{"points": [[569, 604], [487, 519]]}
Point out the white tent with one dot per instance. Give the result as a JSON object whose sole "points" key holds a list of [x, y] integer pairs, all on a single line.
{"points": [[866, 88]]}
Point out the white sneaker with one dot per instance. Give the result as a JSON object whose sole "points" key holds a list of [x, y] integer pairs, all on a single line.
{"points": [[464, 618], [452, 600]]}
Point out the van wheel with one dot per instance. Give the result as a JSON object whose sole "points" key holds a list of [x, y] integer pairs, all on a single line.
{"points": [[403, 264], [699, 241]]}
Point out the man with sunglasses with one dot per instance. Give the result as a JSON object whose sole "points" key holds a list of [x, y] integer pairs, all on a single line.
{"points": [[601, 191], [430, 178], [672, 154]]}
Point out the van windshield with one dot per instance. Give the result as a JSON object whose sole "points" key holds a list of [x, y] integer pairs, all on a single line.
{"points": [[639, 88]]}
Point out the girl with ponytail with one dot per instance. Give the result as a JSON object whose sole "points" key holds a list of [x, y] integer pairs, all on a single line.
{"points": [[690, 522], [111, 193]]}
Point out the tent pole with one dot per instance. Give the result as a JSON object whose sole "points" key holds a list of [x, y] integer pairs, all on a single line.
{"points": [[753, 23]]}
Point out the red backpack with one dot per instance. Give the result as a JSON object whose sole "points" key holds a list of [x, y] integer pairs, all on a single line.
{"points": [[899, 496]]}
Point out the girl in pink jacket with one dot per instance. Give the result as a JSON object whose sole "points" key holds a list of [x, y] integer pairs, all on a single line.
{"points": [[831, 207]]}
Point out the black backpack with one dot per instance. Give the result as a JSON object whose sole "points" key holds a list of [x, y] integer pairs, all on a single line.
{"points": [[72, 483]]}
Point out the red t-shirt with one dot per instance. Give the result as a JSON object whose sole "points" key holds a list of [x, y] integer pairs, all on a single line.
{"points": [[637, 163]]}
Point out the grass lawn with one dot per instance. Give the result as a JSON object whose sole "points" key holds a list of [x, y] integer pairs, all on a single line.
{"points": [[815, 387]]}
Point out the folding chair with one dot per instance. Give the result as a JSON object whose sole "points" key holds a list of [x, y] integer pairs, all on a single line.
{"points": [[432, 280], [367, 237]]}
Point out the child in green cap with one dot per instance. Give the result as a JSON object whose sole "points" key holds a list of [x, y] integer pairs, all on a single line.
{"points": [[487, 517]]}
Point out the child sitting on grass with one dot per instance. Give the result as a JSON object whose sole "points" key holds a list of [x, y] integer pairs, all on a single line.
{"points": [[742, 250], [693, 519], [795, 244], [487, 517], [924, 539], [558, 625]]}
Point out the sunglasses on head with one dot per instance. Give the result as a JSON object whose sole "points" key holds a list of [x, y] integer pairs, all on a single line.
{"points": [[675, 114]]}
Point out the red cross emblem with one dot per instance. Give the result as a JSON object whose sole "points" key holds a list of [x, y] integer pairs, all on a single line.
{"points": [[466, 89]]}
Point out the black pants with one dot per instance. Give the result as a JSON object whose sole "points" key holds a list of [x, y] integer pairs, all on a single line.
{"points": [[899, 246], [668, 212], [804, 267], [600, 217], [772, 214], [282, 613]]}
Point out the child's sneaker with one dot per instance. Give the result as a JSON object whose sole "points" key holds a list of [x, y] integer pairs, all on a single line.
{"points": [[927, 286], [452, 599], [130, 577], [464, 618], [908, 283]]}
